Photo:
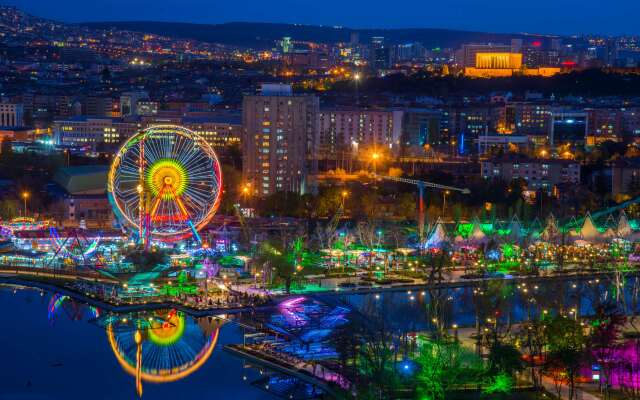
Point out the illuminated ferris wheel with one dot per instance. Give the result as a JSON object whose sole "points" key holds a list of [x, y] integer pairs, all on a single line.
{"points": [[165, 183]]}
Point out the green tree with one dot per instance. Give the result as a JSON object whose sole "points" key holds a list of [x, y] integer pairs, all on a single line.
{"points": [[444, 363], [279, 260], [498, 386], [146, 259], [504, 358], [566, 344]]}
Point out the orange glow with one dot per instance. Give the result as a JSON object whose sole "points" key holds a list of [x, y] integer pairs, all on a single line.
{"points": [[498, 60], [505, 72], [163, 375]]}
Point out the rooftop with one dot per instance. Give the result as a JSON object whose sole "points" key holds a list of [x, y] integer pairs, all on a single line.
{"points": [[83, 180]]}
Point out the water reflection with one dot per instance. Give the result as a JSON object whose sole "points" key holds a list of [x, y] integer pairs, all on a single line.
{"points": [[74, 310], [168, 346], [165, 347], [156, 346], [506, 301]]}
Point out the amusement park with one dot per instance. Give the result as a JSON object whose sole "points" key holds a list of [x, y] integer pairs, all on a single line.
{"points": [[344, 306]]}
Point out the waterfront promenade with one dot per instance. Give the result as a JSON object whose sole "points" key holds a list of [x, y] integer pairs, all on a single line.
{"points": [[249, 298]]}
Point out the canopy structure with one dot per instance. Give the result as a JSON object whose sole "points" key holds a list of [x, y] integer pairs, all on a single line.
{"points": [[477, 234], [515, 229], [589, 232], [437, 237], [624, 227]]}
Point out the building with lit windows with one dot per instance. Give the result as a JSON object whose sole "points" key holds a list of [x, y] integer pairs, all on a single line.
{"points": [[341, 132], [539, 174], [219, 131], [506, 60], [603, 124], [466, 124], [129, 102], [528, 118], [493, 61], [568, 126], [379, 56], [279, 132], [467, 55], [92, 131]]}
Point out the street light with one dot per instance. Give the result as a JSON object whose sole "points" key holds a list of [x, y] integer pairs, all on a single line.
{"points": [[444, 201], [375, 156], [344, 196], [25, 196], [356, 80]]}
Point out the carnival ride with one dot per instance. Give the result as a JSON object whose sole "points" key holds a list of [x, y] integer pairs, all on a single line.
{"points": [[165, 184], [75, 245]]}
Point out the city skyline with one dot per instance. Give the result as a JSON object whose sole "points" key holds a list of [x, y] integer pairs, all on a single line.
{"points": [[500, 16]]}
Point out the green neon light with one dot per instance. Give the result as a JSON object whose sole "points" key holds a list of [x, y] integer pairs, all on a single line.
{"points": [[167, 171], [501, 383], [167, 333], [464, 229]]}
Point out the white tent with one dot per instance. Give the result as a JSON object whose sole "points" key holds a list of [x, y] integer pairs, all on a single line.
{"points": [[589, 231], [515, 229], [610, 233], [624, 228], [437, 237], [477, 235]]}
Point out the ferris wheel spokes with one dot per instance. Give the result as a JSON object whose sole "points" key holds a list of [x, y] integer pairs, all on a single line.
{"points": [[170, 175]]}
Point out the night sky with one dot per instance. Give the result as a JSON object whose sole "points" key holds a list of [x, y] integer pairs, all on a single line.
{"points": [[542, 16]]}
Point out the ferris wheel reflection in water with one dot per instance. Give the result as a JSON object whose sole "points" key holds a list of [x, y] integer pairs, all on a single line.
{"points": [[153, 347]]}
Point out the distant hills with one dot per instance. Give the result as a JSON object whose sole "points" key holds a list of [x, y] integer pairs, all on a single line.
{"points": [[262, 35]]}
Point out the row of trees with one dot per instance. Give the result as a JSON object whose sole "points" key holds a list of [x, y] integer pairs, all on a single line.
{"points": [[547, 349]]}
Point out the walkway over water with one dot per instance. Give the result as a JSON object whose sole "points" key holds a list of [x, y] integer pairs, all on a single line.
{"points": [[303, 372]]}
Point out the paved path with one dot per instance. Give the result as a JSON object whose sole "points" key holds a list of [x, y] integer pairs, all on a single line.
{"points": [[579, 394]]}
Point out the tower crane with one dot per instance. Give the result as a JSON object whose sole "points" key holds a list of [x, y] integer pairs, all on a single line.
{"points": [[422, 185]]}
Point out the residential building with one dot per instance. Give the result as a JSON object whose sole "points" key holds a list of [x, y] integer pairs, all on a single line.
{"points": [[539, 174], [92, 131], [625, 176], [347, 130], [279, 132]]}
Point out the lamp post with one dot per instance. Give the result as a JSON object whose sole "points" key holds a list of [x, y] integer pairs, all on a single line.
{"points": [[444, 201], [246, 190], [25, 196], [375, 157], [356, 79]]}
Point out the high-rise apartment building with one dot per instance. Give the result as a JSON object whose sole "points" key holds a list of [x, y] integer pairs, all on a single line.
{"points": [[379, 55], [342, 131], [279, 131]]}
